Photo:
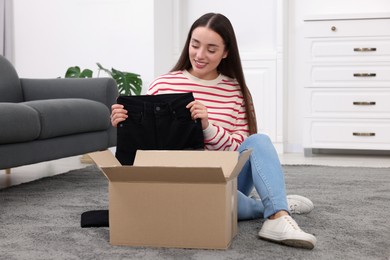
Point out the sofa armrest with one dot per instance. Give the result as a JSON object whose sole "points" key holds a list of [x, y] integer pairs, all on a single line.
{"points": [[103, 90]]}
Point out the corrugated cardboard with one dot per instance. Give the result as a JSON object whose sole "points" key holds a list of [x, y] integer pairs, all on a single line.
{"points": [[185, 199]]}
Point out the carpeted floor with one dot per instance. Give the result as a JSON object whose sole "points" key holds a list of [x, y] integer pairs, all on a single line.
{"points": [[41, 219]]}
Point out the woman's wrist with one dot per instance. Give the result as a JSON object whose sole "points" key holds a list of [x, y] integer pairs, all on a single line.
{"points": [[209, 132]]}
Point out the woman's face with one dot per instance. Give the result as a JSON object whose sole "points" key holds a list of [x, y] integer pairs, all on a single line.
{"points": [[206, 51]]}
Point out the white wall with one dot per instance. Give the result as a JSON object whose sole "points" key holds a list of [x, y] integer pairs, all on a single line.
{"points": [[298, 10], [253, 20], [52, 35]]}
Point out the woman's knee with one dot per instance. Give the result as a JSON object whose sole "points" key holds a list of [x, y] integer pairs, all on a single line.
{"points": [[261, 139]]}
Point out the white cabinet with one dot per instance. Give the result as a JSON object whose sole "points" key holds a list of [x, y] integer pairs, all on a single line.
{"points": [[346, 83]]}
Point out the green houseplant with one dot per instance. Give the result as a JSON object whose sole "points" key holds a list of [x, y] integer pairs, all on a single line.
{"points": [[128, 83]]}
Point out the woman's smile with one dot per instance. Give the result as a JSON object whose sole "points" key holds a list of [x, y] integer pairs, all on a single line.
{"points": [[206, 50]]}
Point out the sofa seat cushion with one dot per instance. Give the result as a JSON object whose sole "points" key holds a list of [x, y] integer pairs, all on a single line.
{"points": [[60, 117], [18, 123]]}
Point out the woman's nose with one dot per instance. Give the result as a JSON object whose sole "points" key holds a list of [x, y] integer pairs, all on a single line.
{"points": [[200, 53]]}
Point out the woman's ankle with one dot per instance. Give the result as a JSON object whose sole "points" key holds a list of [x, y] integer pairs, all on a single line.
{"points": [[278, 214]]}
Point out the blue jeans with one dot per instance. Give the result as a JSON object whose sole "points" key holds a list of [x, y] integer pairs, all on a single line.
{"points": [[263, 172]]}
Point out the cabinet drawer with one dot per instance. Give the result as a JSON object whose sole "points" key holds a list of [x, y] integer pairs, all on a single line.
{"points": [[349, 134], [348, 103], [350, 50], [362, 75], [347, 28]]}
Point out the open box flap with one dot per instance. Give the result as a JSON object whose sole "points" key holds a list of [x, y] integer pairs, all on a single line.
{"points": [[163, 174], [244, 156], [104, 159], [221, 159]]}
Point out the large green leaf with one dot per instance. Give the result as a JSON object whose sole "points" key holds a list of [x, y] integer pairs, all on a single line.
{"points": [[75, 72], [128, 83]]}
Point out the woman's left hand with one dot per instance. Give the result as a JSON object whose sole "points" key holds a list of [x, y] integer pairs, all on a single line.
{"points": [[199, 111]]}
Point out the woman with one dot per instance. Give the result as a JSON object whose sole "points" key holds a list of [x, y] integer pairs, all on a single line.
{"points": [[210, 67]]}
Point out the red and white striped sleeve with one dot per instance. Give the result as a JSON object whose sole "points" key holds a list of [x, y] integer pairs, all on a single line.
{"points": [[218, 137]]}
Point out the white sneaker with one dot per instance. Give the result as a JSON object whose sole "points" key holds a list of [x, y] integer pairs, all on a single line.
{"points": [[299, 205], [286, 231]]}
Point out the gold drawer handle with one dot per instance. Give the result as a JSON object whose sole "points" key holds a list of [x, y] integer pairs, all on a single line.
{"points": [[363, 134], [364, 74], [364, 49], [364, 103]]}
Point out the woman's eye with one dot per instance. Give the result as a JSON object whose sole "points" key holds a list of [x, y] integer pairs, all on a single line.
{"points": [[212, 51], [195, 46]]}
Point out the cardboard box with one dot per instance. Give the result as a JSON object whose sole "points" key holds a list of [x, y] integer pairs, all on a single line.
{"points": [[185, 199]]}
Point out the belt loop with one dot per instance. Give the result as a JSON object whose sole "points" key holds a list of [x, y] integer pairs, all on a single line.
{"points": [[172, 111], [144, 111]]}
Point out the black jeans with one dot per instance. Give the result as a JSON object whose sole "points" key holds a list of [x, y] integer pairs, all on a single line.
{"points": [[158, 122]]}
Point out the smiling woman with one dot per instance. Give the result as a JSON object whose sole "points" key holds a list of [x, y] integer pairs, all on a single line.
{"points": [[206, 51], [210, 68]]}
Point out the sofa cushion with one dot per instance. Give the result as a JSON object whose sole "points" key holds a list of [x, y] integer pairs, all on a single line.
{"points": [[18, 123], [10, 87], [60, 117]]}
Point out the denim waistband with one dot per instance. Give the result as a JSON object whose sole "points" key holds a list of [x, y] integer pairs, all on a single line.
{"points": [[156, 103]]}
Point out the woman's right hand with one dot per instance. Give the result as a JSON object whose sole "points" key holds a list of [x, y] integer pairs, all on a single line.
{"points": [[118, 114]]}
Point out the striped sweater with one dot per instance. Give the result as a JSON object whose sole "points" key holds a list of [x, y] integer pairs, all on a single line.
{"points": [[228, 125]]}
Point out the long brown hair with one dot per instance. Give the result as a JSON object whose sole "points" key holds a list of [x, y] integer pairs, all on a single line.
{"points": [[230, 66]]}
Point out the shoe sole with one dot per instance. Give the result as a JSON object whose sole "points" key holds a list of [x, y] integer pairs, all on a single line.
{"points": [[292, 243]]}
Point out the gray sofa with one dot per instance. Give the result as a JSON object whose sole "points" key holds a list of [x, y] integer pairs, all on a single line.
{"points": [[46, 119]]}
